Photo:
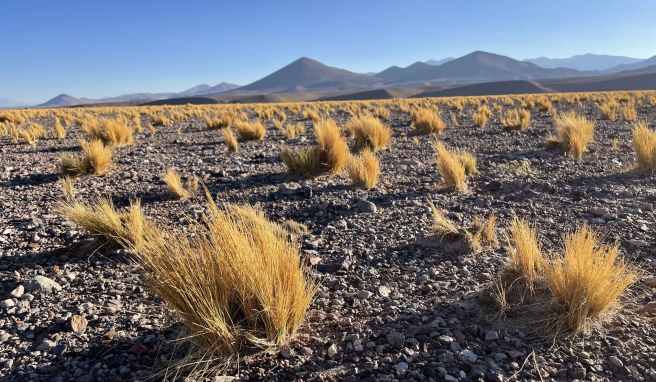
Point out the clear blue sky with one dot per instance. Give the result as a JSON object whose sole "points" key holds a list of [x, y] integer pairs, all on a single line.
{"points": [[97, 48]]}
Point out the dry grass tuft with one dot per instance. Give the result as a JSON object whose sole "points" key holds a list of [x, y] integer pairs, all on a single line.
{"points": [[481, 115], [238, 284], [443, 227], [60, 131], [217, 123], [609, 109], [451, 167], [249, 131], [364, 169], [335, 151], [175, 186], [628, 111], [587, 280], [525, 255], [67, 187], [230, 140], [468, 161], [644, 143], [427, 121], [96, 159], [305, 162], [516, 119], [370, 132], [574, 132], [104, 223], [292, 131]]}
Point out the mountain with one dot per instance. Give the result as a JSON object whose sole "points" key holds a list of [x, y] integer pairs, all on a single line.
{"points": [[66, 100], [439, 62], [308, 74], [637, 65], [5, 102], [207, 89], [584, 62], [475, 67]]}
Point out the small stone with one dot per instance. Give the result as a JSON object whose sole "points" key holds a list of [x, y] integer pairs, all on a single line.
{"points": [[332, 351], [384, 291], [650, 307], [616, 361], [79, 324], [468, 355], [401, 367], [491, 335], [138, 349], [651, 281], [17, 292], [638, 243], [364, 294], [366, 206], [8, 303], [46, 344], [396, 339], [223, 378], [42, 284]]}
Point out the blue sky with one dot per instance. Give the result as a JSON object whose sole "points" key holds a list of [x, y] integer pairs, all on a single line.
{"points": [[105, 48]]}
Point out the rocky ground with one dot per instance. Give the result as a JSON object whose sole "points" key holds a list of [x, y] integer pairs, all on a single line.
{"points": [[388, 309]]}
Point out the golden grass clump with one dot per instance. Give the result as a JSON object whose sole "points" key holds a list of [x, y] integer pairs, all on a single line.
{"points": [[644, 143], [333, 147], [218, 123], [608, 109], [525, 255], [516, 119], [96, 159], [628, 111], [364, 169], [292, 131], [451, 167], [443, 227], [230, 140], [574, 132], [305, 162], [175, 186], [587, 280], [249, 131], [104, 223], [370, 132], [60, 130], [112, 132], [481, 115], [238, 284], [67, 187], [427, 121], [468, 161]]}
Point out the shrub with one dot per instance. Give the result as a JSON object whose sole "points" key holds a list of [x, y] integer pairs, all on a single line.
{"points": [[450, 167], [587, 280], [96, 159], [104, 223], [427, 121], [364, 169], [644, 143], [238, 284], [249, 131], [175, 186], [230, 140], [516, 119], [573, 134], [370, 132]]}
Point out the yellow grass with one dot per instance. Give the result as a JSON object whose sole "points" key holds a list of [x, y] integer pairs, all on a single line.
{"points": [[628, 111], [516, 119], [525, 255], [335, 151], [574, 132], [96, 159], [468, 161], [481, 115], [427, 121], [250, 130], [113, 132], [450, 167], [67, 187], [175, 186], [230, 140], [104, 223], [609, 109], [443, 227], [588, 279], [364, 169], [644, 143], [292, 131], [60, 131], [217, 123], [370, 132], [238, 284], [304, 162]]}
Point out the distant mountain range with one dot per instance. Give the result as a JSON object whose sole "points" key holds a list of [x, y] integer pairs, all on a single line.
{"points": [[306, 79]]}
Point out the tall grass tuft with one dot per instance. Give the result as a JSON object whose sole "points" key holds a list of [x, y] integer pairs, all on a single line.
{"points": [[364, 169], [177, 188], [450, 167], [370, 132], [644, 143], [427, 121], [574, 132]]}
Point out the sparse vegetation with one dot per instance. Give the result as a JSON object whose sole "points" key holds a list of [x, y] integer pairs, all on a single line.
{"points": [[526, 261], [96, 160], [644, 143], [451, 167], [175, 186], [364, 169], [427, 121], [370, 132], [516, 119], [480, 117], [249, 131], [574, 132], [230, 140]]}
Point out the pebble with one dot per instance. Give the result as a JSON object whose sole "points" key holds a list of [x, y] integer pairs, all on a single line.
{"points": [[8, 303], [42, 284], [396, 339], [384, 291], [332, 351], [18, 292], [365, 206]]}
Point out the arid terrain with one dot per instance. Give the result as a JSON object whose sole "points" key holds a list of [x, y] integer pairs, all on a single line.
{"points": [[392, 302]]}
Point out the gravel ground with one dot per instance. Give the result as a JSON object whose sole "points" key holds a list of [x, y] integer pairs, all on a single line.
{"points": [[389, 308]]}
